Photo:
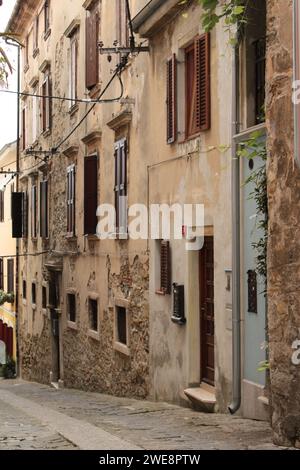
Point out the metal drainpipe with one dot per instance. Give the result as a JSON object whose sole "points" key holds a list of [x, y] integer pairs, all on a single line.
{"points": [[236, 254]]}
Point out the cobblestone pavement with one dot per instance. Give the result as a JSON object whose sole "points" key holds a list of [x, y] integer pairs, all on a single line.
{"points": [[40, 417]]}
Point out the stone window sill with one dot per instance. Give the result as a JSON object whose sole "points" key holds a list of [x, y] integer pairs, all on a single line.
{"points": [[72, 325], [160, 292], [33, 306], [47, 34], [94, 335], [46, 133], [122, 348], [35, 52], [73, 110]]}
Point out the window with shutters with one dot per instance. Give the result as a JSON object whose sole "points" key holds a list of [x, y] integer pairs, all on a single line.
{"points": [[35, 114], [2, 206], [165, 268], [172, 99], [24, 132], [197, 76], [73, 68], [121, 188], [46, 18], [122, 23], [71, 201], [26, 54], [91, 41], [46, 103], [25, 214], [1, 274], [253, 65], [17, 214], [34, 212], [90, 194], [36, 36], [10, 275], [44, 209]]}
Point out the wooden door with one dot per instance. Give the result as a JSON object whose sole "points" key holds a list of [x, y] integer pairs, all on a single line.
{"points": [[207, 324]]}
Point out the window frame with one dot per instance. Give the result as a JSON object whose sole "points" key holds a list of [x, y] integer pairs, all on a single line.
{"points": [[118, 346], [71, 201]]}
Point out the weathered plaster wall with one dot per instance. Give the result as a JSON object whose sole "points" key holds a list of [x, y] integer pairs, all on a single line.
{"points": [[284, 233]]}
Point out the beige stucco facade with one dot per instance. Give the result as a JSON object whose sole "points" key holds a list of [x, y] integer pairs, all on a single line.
{"points": [[7, 243]]}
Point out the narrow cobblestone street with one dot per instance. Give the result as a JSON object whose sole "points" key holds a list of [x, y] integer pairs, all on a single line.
{"points": [[34, 416]]}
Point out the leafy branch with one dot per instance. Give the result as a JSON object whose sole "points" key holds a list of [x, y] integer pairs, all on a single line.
{"points": [[6, 297]]}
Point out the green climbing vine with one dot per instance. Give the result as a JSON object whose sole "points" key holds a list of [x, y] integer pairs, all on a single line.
{"points": [[252, 149]]}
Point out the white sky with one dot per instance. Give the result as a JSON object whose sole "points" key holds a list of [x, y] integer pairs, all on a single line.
{"points": [[8, 103]]}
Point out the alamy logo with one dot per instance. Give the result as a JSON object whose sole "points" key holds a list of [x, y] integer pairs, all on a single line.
{"points": [[160, 221]]}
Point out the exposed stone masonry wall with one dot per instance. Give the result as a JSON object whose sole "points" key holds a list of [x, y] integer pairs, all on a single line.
{"points": [[284, 231]]}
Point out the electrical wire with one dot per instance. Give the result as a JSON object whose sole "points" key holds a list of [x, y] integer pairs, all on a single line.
{"points": [[117, 73], [25, 254], [52, 97]]}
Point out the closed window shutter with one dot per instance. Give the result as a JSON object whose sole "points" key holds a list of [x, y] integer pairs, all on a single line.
{"points": [[24, 129], [1, 275], [90, 194], [17, 214], [202, 80], [48, 103], [10, 275], [165, 267], [171, 99], [71, 201], [44, 209], [92, 54], [25, 215], [34, 212], [121, 187], [1, 206]]}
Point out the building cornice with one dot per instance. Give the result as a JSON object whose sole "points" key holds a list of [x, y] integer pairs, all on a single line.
{"points": [[21, 16]]}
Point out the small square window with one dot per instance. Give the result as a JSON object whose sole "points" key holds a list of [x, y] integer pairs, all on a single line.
{"points": [[44, 297], [121, 327], [93, 314], [33, 293], [71, 307], [24, 290]]}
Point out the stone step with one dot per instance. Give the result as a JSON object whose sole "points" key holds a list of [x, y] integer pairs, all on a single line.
{"points": [[203, 398]]}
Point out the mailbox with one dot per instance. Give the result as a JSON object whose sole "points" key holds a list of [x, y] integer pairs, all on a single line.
{"points": [[178, 305]]}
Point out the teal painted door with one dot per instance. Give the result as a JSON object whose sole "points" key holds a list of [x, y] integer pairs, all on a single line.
{"points": [[254, 303]]}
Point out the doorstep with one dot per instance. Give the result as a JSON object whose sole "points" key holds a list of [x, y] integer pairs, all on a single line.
{"points": [[203, 398]]}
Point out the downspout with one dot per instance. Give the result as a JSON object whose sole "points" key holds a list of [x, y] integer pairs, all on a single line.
{"points": [[236, 245], [18, 240]]}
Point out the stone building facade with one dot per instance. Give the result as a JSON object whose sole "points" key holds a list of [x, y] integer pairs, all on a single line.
{"points": [[100, 314], [283, 248]]}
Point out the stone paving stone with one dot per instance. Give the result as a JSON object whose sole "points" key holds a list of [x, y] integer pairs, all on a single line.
{"points": [[145, 424]]}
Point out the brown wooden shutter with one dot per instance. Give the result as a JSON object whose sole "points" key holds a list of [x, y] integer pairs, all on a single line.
{"points": [[1, 206], [10, 275], [172, 99], [202, 79], [17, 214], [92, 53], [48, 103], [71, 201], [44, 209], [24, 129], [1, 275], [90, 194], [25, 215], [34, 212], [121, 186], [165, 267]]}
